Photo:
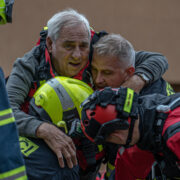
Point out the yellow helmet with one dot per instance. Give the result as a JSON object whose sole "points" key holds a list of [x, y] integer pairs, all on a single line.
{"points": [[60, 98]]}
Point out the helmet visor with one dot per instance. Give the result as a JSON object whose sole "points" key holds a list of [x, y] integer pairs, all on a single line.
{"points": [[98, 133]]}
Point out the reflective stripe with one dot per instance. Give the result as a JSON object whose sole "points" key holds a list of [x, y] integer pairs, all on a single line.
{"points": [[108, 173], [15, 174], [110, 166], [4, 112], [109, 169], [64, 97], [169, 89], [3, 12], [6, 117], [42, 82], [128, 101], [174, 102], [22, 178], [100, 148], [27, 147], [63, 124]]}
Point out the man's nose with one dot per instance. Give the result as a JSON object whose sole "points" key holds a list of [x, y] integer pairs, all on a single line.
{"points": [[99, 78], [76, 53]]}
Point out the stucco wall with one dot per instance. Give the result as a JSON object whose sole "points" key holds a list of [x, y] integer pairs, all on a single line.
{"points": [[149, 24]]}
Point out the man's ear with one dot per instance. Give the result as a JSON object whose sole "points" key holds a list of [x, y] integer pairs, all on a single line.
{"points": [[130, 71], [49, 44]]}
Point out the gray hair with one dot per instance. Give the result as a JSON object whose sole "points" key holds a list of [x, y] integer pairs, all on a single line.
{"points": [[115, 45], [67, 17]]}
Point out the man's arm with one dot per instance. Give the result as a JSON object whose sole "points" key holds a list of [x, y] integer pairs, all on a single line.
{"points": [[152, 64], [18, 86], [149, 64]]}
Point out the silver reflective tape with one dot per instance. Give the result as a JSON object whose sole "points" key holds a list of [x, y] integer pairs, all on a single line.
{"points": [[6, 116], [176, 100], [64, 97], [16, 176]]}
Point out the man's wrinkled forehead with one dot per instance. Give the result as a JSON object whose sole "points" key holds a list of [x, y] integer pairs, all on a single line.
{"points": [[105, 61], [74, 30]]}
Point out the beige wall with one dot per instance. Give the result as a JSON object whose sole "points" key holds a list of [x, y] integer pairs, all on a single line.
{"points": [[149, 24]]}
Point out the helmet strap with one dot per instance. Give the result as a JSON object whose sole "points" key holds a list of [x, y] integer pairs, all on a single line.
{"points": [[131, 128]]}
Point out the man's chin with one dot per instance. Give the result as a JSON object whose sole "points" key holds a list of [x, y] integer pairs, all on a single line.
{"points": [[99, 88], [74, 73], [112, 139]]}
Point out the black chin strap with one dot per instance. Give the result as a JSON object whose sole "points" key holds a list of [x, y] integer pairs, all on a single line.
{"points": [[129, 138]]}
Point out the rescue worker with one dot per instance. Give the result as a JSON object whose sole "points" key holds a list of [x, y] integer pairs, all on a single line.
{"points": [[11, 161], [152, 122], [57, 102], [63, 50], [6, 11], [112, 65]]}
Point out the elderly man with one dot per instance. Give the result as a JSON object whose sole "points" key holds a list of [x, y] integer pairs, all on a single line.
{"points": [[63, 51]]}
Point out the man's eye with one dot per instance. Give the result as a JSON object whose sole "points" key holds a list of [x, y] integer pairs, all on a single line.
{"points": [[93, 70], [68, 46], [83, 46], [107, 72]]}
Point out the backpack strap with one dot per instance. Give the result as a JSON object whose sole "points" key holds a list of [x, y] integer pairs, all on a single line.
{"points": [[95, 38]]}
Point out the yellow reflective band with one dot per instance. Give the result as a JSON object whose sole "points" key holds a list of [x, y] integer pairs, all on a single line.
{"points": [[7, 121], [6, 117], [12, 172], [62, 124], [129, 100], [4, 112], [109, 169], [169, 89], [22, 178], [108, 174], [27, 147], [100, 148], [110, 166], [42, 82], [45, 27]]}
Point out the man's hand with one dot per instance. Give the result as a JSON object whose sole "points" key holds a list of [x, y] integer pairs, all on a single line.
{"points": [[135, 82], [59, 142]]}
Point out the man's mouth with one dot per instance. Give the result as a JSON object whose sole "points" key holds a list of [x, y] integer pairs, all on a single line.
{"points": [[74, 64], [96, 87]]}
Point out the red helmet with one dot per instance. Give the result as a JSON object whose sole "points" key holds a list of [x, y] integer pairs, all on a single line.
{"points": [[108, 110]]}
